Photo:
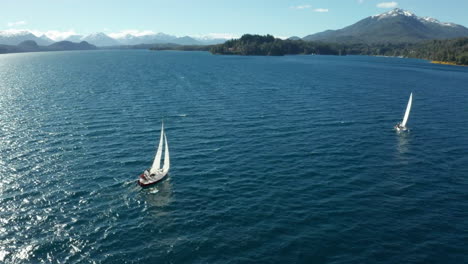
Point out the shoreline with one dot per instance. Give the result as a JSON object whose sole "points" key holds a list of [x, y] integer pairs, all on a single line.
{"points": [[448, 63]]}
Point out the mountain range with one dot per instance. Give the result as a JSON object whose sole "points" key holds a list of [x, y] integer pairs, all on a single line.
{"points": [[103, 40], [8, 38], [395, 26], [32, 46]]}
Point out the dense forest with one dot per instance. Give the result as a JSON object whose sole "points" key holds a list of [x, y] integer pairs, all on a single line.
{"points": [[453, 50], [271, 46]]}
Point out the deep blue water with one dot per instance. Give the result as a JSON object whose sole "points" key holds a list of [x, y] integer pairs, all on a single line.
{"points": [[274, 159]]}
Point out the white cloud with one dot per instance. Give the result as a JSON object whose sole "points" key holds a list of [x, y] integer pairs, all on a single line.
{"points": [[321, 10], [360, 1], [17, 23], [133, 32], [302, 7], [299, 7], [387, 5], [13, 31]]}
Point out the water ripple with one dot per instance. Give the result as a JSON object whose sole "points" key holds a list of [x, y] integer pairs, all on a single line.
{"points": [[288, 159]]}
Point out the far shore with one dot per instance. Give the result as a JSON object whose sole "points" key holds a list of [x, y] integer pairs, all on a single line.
{"points": [[447, 63]]}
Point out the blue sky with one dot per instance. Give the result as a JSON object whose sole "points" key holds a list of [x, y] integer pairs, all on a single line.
{"points": [[282, 18]]}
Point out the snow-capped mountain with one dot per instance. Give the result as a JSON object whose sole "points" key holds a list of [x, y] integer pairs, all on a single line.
{"points": [[395, 26], [209, 40], [9, 37], [130, 39], [159, 38], [435, 21], [400, 12], [165, 37], [393, 13], [100, 39]]}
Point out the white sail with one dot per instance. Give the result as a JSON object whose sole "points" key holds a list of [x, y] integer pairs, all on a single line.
{"points": [[157, 159], [408, 109], [166, 157]]}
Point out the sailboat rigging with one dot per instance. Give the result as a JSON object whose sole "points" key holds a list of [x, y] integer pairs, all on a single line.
{"points": [[155, 174], [402, 126]]}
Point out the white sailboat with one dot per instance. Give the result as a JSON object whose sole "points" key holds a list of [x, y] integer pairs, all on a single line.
{"points": [[402, 126], [156, 173]]}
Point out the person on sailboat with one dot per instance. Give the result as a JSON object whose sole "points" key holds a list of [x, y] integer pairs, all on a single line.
{"points": [[146, 173]]}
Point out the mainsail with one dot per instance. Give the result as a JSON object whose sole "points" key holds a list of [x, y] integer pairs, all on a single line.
{"points": [[408, 109], [157, 159], [166, 156]]}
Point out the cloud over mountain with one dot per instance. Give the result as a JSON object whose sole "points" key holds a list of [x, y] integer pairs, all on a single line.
{"points": [[17, 23], [387, 5]]}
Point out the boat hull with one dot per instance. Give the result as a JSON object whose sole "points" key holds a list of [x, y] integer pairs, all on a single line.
{"points": [[400, 129], [143, 183]]}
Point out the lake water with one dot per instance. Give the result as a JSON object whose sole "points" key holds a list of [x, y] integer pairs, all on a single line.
{"points": [[274, 159]]}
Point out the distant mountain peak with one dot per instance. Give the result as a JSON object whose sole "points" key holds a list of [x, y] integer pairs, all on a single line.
{"points": [[395, 12], [401, 12], [396, 25], [101, 39], [15, 37], [160, 34], [97, 34]]}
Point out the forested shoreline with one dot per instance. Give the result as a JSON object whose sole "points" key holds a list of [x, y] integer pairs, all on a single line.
{"points": [[454, 51], [448, 51]]}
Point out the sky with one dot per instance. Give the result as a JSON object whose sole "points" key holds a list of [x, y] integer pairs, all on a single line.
{"points": [[215, 18]]}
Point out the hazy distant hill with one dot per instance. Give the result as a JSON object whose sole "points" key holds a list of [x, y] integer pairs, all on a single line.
{"points": [[186, 40], [45, 40], [103, 40], [28, 45], [74, 38], [130, 39], [68, 45], [395, 26], [159, 38]]}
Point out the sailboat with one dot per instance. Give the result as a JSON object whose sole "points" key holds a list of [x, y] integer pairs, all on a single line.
{"points": [[402, 126], [155, 174]]}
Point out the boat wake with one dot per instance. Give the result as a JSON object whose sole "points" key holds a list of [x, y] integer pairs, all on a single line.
{"points": [[154, 191]]}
